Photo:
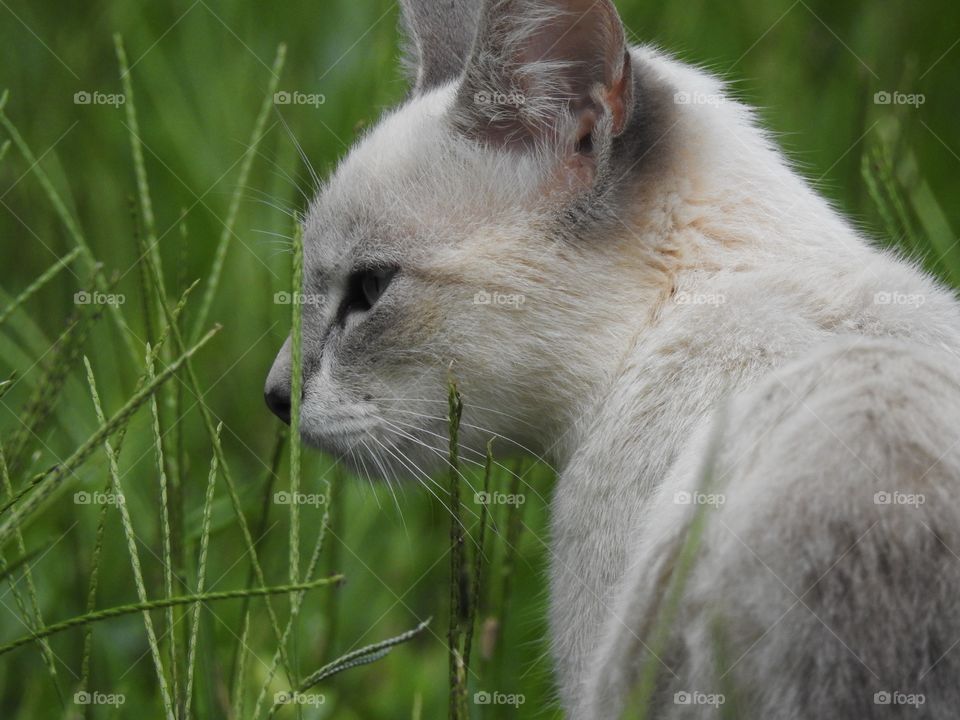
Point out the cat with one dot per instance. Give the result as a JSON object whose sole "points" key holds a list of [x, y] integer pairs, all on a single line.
{"points": [[627, 278]]}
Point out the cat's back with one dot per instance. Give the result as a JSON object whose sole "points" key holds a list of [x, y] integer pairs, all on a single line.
{"points": [[832, 508]]}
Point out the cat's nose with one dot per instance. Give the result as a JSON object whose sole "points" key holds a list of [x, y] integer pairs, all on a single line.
{"points": [[276, 392], [278, 400]]}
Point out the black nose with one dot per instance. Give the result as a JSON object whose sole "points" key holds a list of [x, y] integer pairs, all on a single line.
{"points": [[278, 400]]}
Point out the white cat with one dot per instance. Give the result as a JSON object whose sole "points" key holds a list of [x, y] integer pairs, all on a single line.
{"points": [[623, 271]]}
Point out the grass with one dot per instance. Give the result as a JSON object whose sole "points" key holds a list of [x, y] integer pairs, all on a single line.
{"points": [[240, 592]]}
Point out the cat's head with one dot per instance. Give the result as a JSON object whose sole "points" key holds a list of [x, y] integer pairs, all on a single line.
{"points": [[478, 232]]}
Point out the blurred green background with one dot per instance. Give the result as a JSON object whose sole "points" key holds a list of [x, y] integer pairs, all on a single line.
{"points": [[200, 71]]}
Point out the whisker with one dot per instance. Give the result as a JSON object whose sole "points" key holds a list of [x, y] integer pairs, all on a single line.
{"points": [[509, 471], [419, 470], [470, 405], [482, 430], [387, 479], [303, 156], [359, 457]]}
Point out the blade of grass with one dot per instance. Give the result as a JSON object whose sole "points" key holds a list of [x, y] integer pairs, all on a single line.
{"points": [[138, 607], [64, 355], [35, 619], [682, 567], [240, 652], [150, 312], [7, 385], [455, 634], [295, 390], [198, 394], [722, 662], [164, 527], [92, 586], [474, 609], [44, 484], [177, 458], [220, 254], [296, 383], [870, 172], [497, 625], [335, 509], [94, 580], [201, 577], [132, 550], [12, 568], [136, 148], [79, 240], [363, 656], [296, 602], [39, 283]]}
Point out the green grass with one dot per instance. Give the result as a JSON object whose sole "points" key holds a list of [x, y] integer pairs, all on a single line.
{"points": [[234, 586]]}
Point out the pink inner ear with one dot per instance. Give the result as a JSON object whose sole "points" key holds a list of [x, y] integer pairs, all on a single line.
{"points": [[568, 59], [587, 34], [619, 97]]}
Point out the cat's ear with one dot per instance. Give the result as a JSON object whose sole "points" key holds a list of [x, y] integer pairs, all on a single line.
{"points": [[439, 36], [548, 71]]}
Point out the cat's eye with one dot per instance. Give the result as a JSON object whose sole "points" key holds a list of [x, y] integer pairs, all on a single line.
{"points": [[373, 283], [364, 288]]}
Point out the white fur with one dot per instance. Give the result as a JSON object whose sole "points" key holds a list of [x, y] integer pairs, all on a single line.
{"points": [[726, 283]]}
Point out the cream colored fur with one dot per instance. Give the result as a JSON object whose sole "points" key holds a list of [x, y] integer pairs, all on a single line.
{"points": [[706, 293]]}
